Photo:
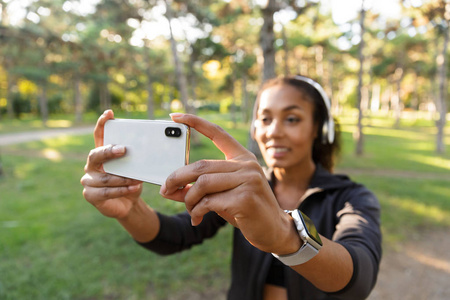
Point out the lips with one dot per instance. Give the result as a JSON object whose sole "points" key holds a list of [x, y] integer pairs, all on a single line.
{"points": [[277, 151]]}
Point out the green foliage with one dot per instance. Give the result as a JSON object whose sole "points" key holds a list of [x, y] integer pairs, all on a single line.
{"points": [[21, 104], [209, 107], [94, 99]]}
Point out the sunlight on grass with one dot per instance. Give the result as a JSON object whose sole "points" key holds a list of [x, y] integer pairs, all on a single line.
{"points": [[396, 133], [422, 212], [435, 161], [52, 154], [59, 123]]}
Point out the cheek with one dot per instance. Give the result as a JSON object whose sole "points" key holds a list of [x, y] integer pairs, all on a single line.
{"points": [[304, 136]]}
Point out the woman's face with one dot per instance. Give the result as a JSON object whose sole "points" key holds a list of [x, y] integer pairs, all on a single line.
{"points": [[284, 127]]}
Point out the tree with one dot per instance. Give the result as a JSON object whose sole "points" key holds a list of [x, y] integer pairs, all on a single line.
{"points": [[359, 131]]}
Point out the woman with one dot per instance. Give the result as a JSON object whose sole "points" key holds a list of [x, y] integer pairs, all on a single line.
{"points": [[294, 130]]}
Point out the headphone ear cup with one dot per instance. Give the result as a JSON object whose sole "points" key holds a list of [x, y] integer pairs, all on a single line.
{"points": [[325, 133], [328, 132], [331, 131]]}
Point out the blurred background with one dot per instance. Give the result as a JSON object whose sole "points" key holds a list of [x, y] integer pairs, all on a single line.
{"points": [[63, 62]]}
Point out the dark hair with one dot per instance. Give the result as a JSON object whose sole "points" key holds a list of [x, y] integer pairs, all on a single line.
{"points": [[323, 153]]}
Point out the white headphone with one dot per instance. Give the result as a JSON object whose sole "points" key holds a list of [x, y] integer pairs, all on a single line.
{"points": [[328, 124]]}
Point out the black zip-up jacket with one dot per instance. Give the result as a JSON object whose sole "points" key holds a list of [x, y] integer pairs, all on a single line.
{"points": [[343, 211]]}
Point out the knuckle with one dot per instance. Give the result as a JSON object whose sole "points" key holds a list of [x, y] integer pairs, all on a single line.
{"points": [[202, 181], [171, 178], [87, 195], [92, 154], [83, 180], [201, 166], [104, 178], [105, 192], [251, 164], [253, 157], [106, 151]]}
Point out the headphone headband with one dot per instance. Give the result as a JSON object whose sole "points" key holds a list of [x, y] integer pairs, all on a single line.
{"points": [[328, 125]]}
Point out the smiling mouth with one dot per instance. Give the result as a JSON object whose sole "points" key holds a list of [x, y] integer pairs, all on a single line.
{"points": [[277, 150]]}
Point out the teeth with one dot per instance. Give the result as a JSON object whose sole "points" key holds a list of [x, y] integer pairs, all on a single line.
{"points": [[278, 150]]}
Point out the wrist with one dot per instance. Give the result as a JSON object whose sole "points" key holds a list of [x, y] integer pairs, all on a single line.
{"points": [[142, 222], [308, 234], [290, 241]]}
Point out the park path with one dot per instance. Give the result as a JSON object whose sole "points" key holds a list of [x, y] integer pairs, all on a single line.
{"points": [[28, 136]]}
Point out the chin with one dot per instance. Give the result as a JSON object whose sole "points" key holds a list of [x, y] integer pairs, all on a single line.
{"points": [[273, 163]]}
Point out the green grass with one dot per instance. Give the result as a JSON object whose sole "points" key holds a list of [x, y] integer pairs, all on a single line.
{"points": [[54, 245]]}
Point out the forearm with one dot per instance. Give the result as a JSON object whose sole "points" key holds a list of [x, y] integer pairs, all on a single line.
{"points": [[142, 222], [330, 270]]}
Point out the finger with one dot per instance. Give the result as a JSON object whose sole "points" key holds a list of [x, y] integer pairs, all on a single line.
{"points": [[210, 184], [189, 173], [223, 141], [100, 126], [102, 154], [107, 180], [219, 203], [177, 195], [94, 194]]}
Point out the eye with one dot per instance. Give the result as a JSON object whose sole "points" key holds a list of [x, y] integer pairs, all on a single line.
{"points": [[292, 120], [265, 120]]}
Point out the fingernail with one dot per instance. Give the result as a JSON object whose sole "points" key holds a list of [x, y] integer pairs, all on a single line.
{"points": [[192, 222], [134, 188], [163, 190], [176, 115], [118, 149]]}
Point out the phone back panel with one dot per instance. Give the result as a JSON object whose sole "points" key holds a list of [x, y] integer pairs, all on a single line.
{"points": [[151, 155]]}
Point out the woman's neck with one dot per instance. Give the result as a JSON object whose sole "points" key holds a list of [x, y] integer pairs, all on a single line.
{"points": [[295, 176], [292, 183]]}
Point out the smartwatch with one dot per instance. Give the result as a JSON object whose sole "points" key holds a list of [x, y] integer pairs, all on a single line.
{"points": [[308, 234]]}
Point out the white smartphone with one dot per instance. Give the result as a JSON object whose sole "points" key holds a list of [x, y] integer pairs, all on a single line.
{"points": [[154, 148]]}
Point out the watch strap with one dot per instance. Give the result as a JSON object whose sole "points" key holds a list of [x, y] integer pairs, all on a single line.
{"points": [[305, 253]]}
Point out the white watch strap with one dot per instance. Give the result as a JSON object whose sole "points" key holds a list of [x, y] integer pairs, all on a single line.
{"points": [[305, 253]]}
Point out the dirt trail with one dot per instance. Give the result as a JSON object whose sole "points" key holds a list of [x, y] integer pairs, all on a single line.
{"points": [[416, 269], [22, 137]]}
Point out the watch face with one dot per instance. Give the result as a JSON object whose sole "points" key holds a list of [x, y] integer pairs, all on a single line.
{"points": [[311, 229]]}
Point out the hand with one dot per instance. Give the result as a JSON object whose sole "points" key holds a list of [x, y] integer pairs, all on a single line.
{"points": [[235, 188], [113, 196]]}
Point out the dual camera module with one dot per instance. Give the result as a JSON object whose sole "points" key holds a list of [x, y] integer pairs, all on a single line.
{"points": [[173, 132]]}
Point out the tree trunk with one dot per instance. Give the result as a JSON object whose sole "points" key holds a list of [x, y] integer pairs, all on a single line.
{"points": [[286, 51], [103, 96], [43, 103], [398, 100], [78, 100], [245, 104], [319, 62], [359, 131], [150, 100], [9, 97], [233, 103], [181, 78], [442, 65], [267, 39]]}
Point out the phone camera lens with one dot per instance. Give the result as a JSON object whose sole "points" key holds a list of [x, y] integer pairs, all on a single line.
{"points": [[173, 132]]}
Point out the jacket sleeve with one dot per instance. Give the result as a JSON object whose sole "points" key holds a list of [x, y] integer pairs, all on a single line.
{"points": [[177, 234], [358, 230]]}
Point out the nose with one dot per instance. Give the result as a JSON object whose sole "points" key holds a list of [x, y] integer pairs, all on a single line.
{"points": [[274, 129]]}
